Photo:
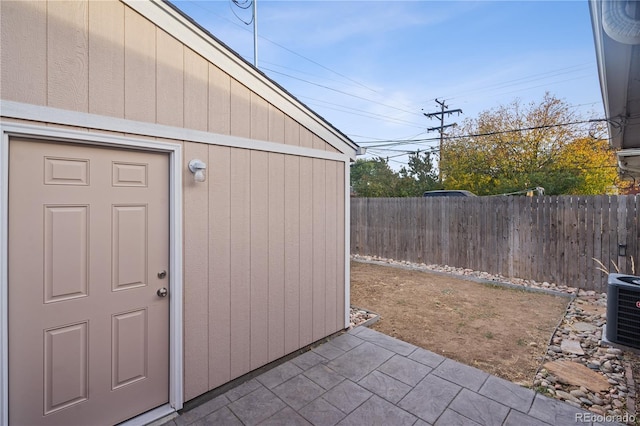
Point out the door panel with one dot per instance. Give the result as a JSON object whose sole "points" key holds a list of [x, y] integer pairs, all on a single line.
{"points": [[88, 234], [129, 236], [129, 349], [66, 252], [65, 367]]}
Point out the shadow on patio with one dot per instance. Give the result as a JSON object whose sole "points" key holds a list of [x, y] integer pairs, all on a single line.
{"points": [[364, 377]]}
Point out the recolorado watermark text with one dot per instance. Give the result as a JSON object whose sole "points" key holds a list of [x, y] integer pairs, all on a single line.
{"points": [[598, 418]]}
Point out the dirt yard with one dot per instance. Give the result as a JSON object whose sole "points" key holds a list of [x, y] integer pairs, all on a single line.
{"points": [[499, 330]]}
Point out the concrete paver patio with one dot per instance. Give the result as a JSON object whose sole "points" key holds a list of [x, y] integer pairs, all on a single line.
{"points": [[364, 377]]}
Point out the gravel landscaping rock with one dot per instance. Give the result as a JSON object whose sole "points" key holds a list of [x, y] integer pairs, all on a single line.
{"points": [[360, 316]]}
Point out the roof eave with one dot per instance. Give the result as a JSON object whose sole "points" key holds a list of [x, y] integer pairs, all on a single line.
{"points": [[613, 61]]}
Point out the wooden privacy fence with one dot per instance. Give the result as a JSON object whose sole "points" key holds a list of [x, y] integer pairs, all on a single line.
{"points": [[551, 238]]}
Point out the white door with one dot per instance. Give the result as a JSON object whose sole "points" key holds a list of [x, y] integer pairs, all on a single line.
{"points": [[88, 257]]}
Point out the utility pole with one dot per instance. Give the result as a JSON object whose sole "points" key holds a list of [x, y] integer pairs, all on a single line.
{"points": [[443, 111], [255, 33], [244, 5]]}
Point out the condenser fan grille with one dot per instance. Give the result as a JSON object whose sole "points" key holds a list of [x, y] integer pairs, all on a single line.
{"points": [[628, 317]]}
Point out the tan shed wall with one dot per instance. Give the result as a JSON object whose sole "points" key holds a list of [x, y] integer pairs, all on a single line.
{"points": [[102, 57], [268, 278], [264, 251]]}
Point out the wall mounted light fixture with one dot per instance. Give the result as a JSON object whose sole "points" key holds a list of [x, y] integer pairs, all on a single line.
{"points": [[622, 250], [198, 168]]}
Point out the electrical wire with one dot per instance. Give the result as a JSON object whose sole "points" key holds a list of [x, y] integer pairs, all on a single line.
{"points": [[475, 135], [244, 4], [532, 77], [342, 92], [353, 135], [525, 79], [286, 48], [574, 166], [379, 151], [241, 5], [413, 112], [538, 86], [362, 113], [310, 74]]}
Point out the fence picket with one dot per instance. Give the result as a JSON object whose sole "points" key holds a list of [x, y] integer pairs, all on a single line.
{"points": [[598, 236], [547, 238]]}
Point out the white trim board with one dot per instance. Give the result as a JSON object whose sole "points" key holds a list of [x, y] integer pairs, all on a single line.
{"points": [[8, 130], [347, 246], [4, 277], [45, 114], [165, 17]]}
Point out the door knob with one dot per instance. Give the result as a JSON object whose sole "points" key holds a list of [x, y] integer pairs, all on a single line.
{"points": [[162, 274], [162, 292]]}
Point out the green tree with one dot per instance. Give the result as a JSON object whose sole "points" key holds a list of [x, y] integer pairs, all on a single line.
{"points": [[420, 176], [373, 178], [486, 156]]}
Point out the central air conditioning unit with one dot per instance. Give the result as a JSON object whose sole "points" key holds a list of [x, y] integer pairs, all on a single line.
{"points": [[623, 310]]}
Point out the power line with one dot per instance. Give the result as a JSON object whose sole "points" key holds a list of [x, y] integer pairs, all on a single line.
{"points": [[382, 139], [339, 91], [246, 4], [297, 54], [572, 166], [242, 5], [430, 151], [377, 148], [197, 4], [359, 112], [525, 80], [474, 135], [538, 86], [405, 151], [533, 77]]}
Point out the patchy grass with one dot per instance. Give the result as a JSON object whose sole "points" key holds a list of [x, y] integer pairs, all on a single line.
{"points": [[500, 330]]}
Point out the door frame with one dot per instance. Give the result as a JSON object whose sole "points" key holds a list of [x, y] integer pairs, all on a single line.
{"points": [[86, 138]]}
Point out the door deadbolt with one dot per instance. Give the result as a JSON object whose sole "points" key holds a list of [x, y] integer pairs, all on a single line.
{"points": [[162, 274], [162, 292]]}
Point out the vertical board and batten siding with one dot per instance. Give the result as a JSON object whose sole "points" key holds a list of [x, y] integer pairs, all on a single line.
{"points": [[104, 58], [275, 249], [264, 255], [553, 238]]}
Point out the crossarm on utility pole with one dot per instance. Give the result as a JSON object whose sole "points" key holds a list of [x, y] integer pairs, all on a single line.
{"points": [[441, 114]]}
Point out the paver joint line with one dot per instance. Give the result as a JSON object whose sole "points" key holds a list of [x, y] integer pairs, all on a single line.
{"points": [[371, 384]]}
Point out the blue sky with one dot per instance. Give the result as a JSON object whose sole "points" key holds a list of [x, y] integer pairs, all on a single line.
{"points": [[371, 68]]}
